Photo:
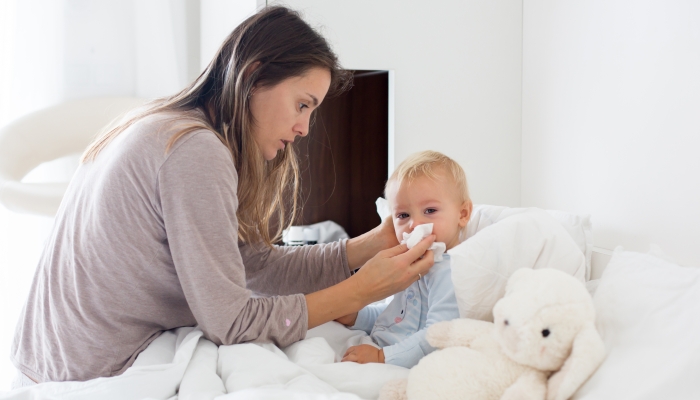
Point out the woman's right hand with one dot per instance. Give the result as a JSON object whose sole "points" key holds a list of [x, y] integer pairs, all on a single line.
{"points": [[387, 273], [393, 270]]}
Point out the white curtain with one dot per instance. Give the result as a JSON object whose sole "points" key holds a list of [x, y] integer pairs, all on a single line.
{"points": [[55, 50]]}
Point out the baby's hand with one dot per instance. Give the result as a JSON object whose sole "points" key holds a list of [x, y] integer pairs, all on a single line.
{"points": [[348, 320], [364, 354]]}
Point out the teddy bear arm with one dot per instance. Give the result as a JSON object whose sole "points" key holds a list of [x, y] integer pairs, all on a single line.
{"points": [[587, 353], [458, 332], [531, 385]]}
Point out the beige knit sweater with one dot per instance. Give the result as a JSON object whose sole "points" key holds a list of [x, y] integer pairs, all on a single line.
{"points": [[146, 241]]}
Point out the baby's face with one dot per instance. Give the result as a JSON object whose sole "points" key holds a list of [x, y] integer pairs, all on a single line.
{"points": [[425, 201]]}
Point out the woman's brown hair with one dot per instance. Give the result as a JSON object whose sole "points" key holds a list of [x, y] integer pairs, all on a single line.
{"points": [[273, 45]]}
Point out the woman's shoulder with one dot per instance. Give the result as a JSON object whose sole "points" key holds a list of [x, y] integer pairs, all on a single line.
{"points": [[160, 142], [178, 132], [164, 125]]}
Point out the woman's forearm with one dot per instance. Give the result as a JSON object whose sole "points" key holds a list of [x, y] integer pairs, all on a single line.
{"points": [[334, 302]]}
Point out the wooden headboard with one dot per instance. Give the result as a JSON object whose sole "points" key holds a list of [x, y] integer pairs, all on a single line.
{"points": [[344, 159]]}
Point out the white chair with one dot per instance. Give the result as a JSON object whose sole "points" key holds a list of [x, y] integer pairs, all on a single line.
{"points": [[46, 135]]}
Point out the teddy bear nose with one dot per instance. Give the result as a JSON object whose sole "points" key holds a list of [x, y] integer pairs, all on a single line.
{"points": [[545, 332], [505, 322]]}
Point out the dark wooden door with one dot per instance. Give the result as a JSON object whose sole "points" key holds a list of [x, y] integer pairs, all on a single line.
{"points": [[344, 159]]}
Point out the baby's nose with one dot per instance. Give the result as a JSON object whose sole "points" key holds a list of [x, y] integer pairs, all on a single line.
{"points": [[415, 222]]}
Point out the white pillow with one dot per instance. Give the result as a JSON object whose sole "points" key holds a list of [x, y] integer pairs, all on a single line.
{"points": [[578, 226], [648, 314], [528, 238]]}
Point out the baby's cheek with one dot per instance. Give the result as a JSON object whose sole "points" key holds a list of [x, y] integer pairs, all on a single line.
{"points": [[440, 231], [399, 235], [399, 231]]}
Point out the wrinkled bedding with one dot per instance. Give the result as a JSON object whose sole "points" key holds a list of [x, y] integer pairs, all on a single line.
{"points": [[182, 364]]}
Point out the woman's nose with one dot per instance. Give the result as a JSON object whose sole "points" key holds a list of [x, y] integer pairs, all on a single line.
{"points": [[302, 127]]}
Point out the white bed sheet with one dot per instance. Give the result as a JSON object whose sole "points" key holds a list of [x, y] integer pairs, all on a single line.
{"points": [[183, 364]]}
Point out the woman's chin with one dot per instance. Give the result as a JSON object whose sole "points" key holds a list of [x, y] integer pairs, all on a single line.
{"points": [[270, 155]]}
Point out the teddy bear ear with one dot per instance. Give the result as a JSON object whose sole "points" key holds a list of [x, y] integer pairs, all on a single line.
{"points": [[517, 276], [587, 353]]}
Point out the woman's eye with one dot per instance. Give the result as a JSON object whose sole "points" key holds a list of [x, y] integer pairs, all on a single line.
{"points": [[302, 106], [430, 211], [402, 216]]}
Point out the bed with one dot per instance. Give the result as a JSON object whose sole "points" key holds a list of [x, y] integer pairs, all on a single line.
{"points": [[646, 314]]}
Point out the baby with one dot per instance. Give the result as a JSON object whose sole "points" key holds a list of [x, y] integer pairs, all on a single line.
{"points": [[427, 188]]}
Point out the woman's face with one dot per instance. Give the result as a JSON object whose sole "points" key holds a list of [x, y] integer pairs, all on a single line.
{"points": [[282, 112]]}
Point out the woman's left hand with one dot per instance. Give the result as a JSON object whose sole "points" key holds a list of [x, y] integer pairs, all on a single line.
{"points": [[360, 249], [385, 232], [364, 354]]}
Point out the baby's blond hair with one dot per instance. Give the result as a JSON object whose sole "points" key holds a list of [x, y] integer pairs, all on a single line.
{"points": [[429, 163]]}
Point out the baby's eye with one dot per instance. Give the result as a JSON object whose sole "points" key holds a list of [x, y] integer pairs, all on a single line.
{"points": [[430, 210], [402, 215]]}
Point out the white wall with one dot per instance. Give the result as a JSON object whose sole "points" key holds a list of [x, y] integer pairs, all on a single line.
{"points": [[611, 118], [457, 78], [30, 31], [218, 19], [166, 38]]}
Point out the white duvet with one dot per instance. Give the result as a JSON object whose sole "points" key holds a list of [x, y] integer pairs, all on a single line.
{"points": [[183, 364]]}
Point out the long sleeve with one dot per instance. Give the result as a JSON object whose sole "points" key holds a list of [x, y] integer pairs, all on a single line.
{"points": [[146, 240], [285, 270], [196, 189], [442, 306], [367, 316]]}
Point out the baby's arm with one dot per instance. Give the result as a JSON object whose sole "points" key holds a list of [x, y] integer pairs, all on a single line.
{"points": [[367, 316], [442, 306]]}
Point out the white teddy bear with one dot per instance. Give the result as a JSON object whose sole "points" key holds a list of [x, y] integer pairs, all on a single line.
{"points": [[543, 344]]}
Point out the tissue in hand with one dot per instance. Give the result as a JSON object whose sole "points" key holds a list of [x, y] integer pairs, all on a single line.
{"points": [[383, 208], [419, 233]]}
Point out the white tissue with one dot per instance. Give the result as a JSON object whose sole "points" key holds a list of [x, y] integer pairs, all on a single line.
{"points": [[419, 233], [383, 208]]}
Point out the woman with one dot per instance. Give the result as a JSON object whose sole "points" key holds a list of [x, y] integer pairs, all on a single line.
{"points": [[167, 222]]}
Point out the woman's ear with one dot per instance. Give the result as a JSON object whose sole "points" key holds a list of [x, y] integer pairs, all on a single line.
{"points": [[465, 212], [248, 71]]}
